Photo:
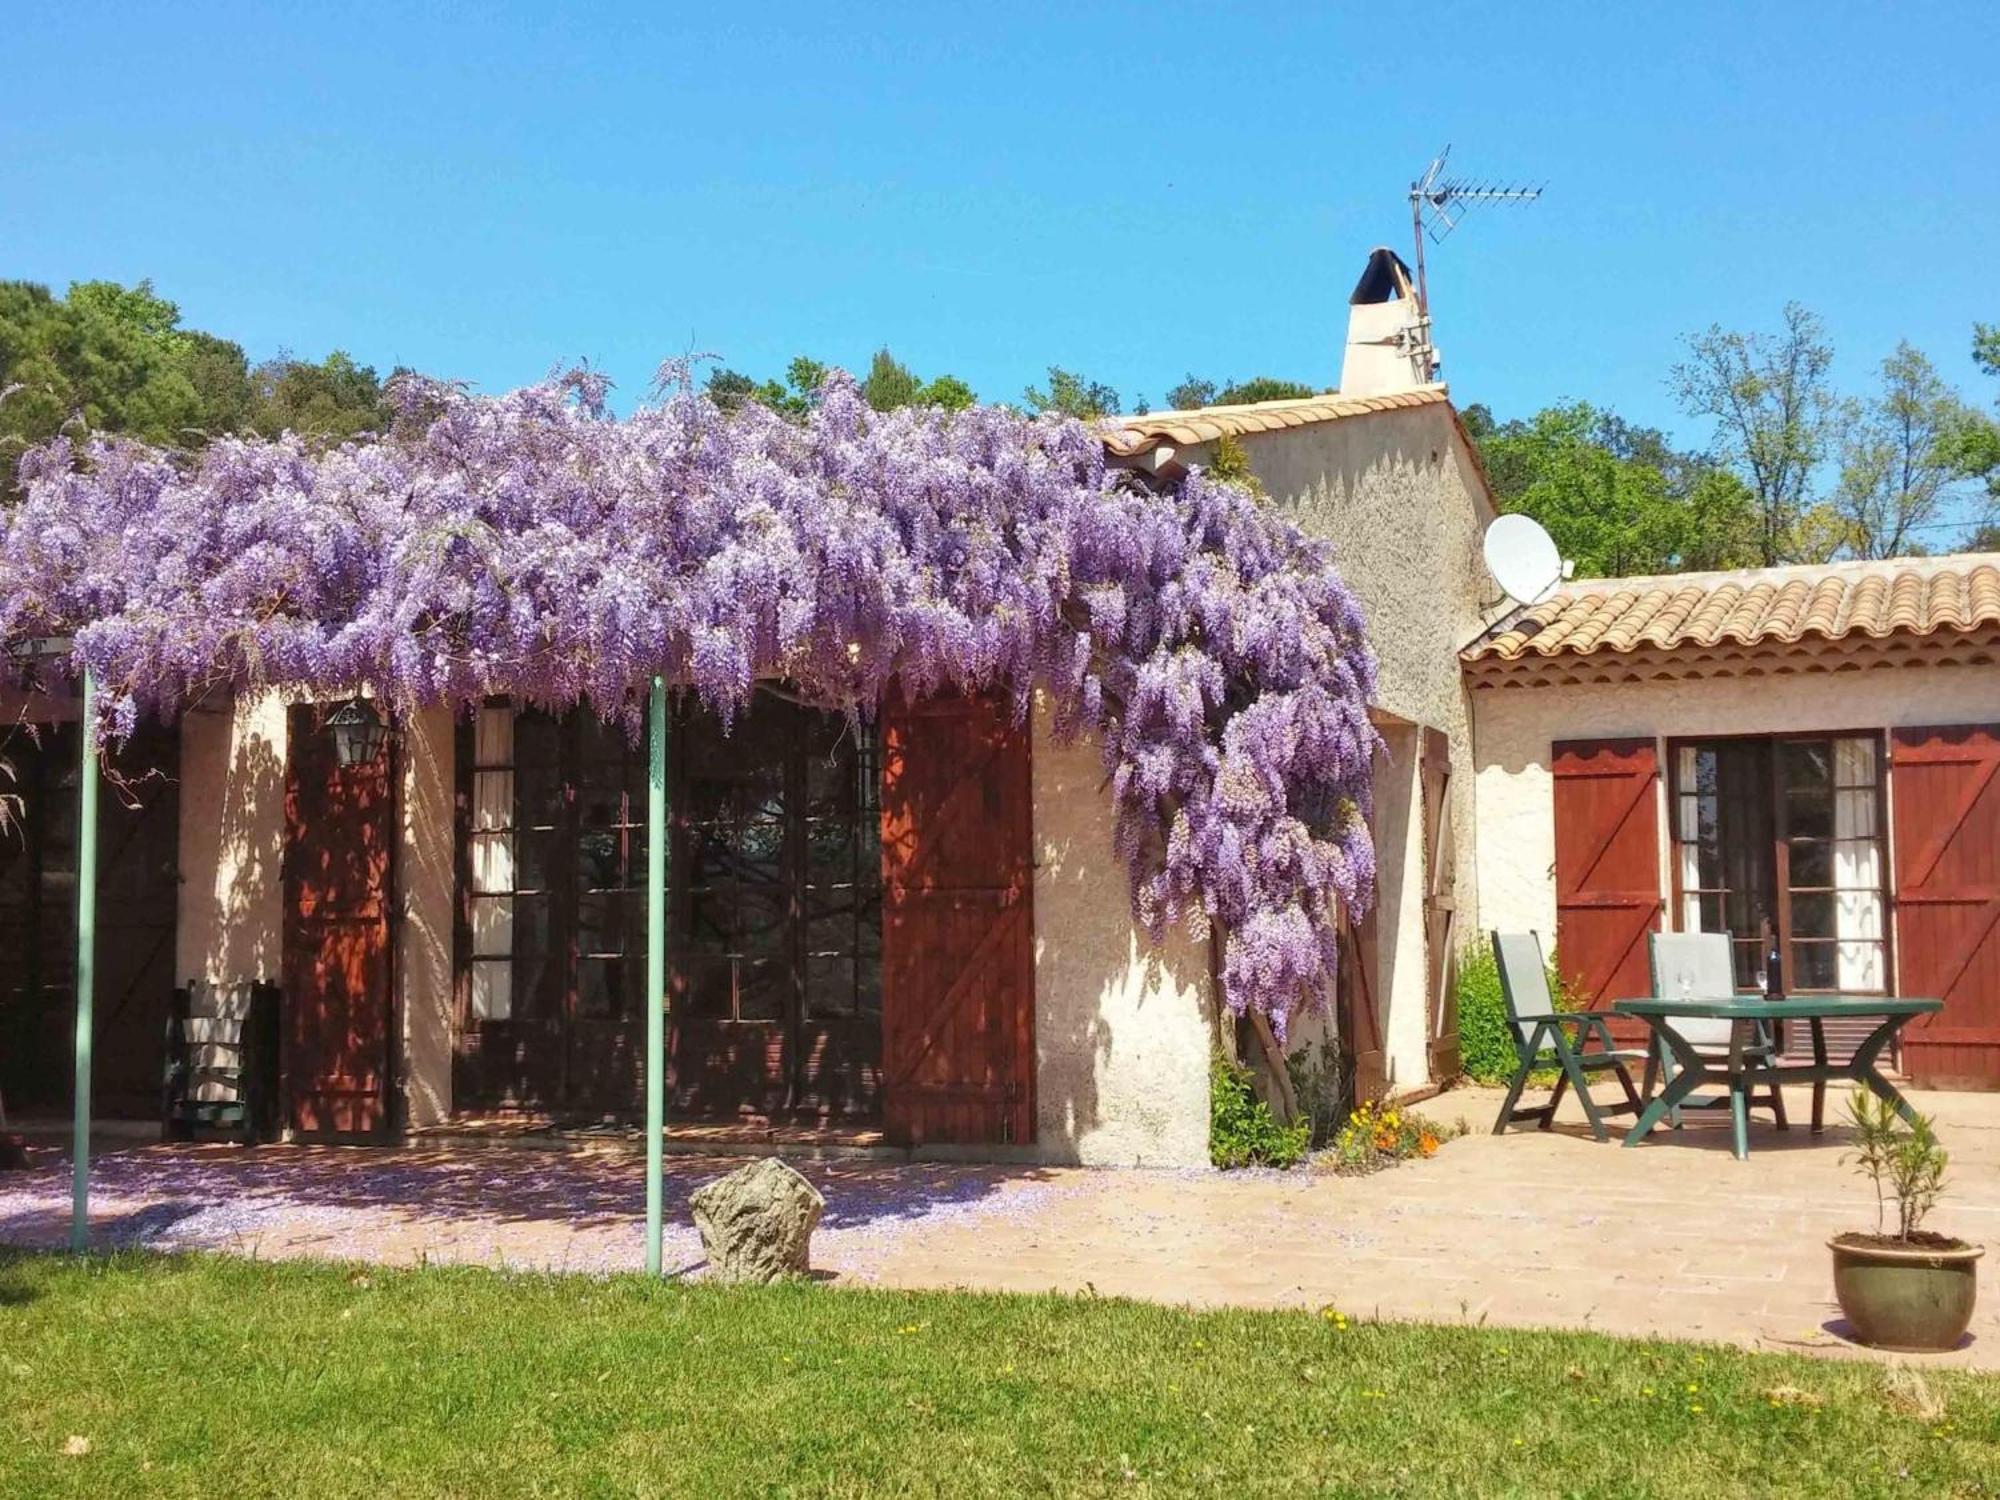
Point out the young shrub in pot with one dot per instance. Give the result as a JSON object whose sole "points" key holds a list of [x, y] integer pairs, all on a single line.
{"points": [[1912, 1290]]}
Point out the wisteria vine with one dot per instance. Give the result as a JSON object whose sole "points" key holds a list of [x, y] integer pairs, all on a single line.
{"points": [[536, 544]]}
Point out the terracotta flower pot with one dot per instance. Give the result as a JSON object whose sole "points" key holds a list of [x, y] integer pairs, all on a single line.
{"points": [[1910, 1296]]}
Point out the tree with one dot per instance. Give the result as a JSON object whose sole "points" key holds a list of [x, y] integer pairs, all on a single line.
{"points": [[1978, 445], [1194, 391], [1768, 396], [332, 401], [730, 389], [949, 392], [1618, 499], [110, 358], [1072, 395], [890, 384], [1900, 456], [1263, 388]]}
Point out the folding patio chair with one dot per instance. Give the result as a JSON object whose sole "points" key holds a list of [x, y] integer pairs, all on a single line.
{"points": [[1542, 1040], [1700, 966]]}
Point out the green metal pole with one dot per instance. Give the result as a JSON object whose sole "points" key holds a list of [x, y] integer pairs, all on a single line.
{"points": [[656, 971], [86, 964]]}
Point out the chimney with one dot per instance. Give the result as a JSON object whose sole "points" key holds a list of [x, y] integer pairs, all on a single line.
{"points": [[1388, 333]]}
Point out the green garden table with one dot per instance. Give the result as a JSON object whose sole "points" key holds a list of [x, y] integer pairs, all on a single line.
{"points": [[1737, 1074]]}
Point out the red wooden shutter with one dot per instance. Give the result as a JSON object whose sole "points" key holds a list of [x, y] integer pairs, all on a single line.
{"points": [[1607, 865], [1945, 789], [1440, 906], [958, 979]]}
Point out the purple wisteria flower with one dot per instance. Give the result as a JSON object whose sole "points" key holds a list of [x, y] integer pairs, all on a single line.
{"points": [[538, 545]]}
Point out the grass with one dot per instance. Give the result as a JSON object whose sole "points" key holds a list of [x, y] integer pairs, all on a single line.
{"points": [[209, 1376]]}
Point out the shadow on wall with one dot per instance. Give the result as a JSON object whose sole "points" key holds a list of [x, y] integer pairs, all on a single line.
{"points": [[425, 875], [1123, 1027], [245, 767]]}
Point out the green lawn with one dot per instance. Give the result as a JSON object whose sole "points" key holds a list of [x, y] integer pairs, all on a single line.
{"points": [[218, 1377]]}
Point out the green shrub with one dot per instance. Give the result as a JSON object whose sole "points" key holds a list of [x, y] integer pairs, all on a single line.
{"points": [[1242, 1131], [1485, 1046]]}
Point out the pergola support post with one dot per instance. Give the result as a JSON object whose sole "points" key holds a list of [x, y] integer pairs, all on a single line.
{"points": [[656, 970], [86, 964]]}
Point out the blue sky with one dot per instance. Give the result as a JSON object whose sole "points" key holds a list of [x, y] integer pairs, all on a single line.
{"points": [[1135, 193]]}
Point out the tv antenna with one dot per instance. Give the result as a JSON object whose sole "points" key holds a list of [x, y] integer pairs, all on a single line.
{"points": [[1438, 202]]}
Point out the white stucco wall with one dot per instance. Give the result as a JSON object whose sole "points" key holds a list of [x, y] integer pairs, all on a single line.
{"points": [[232, 839], [1515, 727], [1122, 1030], [424, 875], [1399, 497]]}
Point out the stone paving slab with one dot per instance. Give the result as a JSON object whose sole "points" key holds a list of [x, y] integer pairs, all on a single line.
{"points": [[1675, 1237]]}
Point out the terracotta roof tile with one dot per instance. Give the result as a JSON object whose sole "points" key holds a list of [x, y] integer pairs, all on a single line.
{"points": [[1125, 436], [1903, 596]]}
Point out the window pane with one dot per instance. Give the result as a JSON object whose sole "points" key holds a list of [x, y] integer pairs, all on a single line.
{"points": [[492, 862], [1854, 761], [1854, 814], [1859, 914], [492, 989], [1714, 916], [1812, 864], [492, 799], [1809, 815], [1812, 916], [535, 850], [703, 986], [493, 735], [712, 918], [830, 986], [600, 859], [493, 926], [604, 922], [599, 987], [762, 988], [1860, 967], [1805, 765], [1812, 966]]}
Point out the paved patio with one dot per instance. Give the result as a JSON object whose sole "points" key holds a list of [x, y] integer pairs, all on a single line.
{"points": [[1675, 1238]]}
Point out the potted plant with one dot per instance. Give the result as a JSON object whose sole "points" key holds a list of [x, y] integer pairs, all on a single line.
{"points": [[1912, 1290]]}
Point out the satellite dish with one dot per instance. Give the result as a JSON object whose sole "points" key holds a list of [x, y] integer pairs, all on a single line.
{"points": [[1523, 559]]}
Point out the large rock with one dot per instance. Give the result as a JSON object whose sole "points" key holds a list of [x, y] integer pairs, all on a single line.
{"points": [[756, 1224]]}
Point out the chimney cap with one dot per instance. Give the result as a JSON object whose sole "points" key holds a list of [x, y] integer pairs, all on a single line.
{"points": [[1384, 278]]}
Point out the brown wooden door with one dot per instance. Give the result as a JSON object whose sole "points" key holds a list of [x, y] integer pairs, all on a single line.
{"points": [[336, 1033], [958, 982], [1945, 792], [1440, 906], [1607, 865]]}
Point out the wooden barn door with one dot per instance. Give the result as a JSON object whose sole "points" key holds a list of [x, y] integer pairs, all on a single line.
{"points": [[958, 983], [1440, 907], [1357, 1013], [339, 826], [1945, 792], [1607, 865]]}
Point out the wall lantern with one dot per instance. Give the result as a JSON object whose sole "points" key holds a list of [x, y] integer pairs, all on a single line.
{"points": [[359, 732]]}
